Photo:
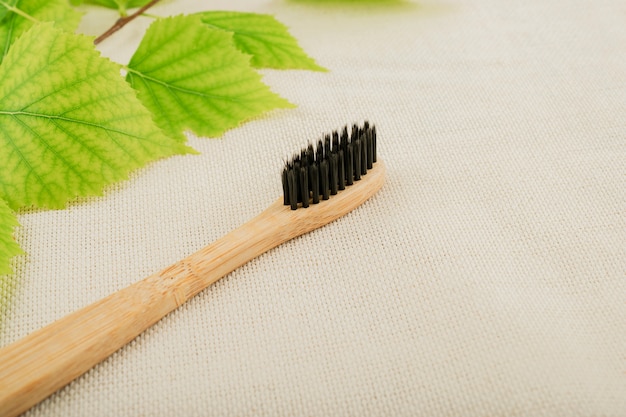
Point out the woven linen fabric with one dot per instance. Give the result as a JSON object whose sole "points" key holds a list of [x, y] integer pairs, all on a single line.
{"points": [[486, 278]]}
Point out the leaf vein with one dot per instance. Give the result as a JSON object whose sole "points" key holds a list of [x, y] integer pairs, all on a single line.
{"points": [[69, 119], [186, 90]]}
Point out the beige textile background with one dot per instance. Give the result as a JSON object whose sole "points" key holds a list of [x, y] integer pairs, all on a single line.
{"points": [[487, 278]]}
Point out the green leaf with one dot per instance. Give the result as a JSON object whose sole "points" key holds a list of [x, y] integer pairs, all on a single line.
{"points": [[14, 25], [3, 12], [69, 124], [8, 246], [192, 77], [263, 37], [121, 5]]}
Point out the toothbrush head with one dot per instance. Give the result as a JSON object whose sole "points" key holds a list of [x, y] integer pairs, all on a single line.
{"points": [[336, 162]]}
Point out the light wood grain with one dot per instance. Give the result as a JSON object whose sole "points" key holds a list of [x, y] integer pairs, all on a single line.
{"points": [[33, 368]]}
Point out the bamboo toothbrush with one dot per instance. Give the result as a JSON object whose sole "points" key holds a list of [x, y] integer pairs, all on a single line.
{"points": [[319, 186]]}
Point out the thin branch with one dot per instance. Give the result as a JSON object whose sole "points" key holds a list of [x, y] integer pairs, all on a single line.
{"points": [[151, 16], [123, 21]]}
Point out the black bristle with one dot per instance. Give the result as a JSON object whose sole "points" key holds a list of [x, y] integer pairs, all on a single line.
{"points": [[285, 186], [341, 180], [310, 154], [293, 189], [357, 159], [304, 187], [343, 145], [296, 178], [374, 143], [317, 172], [355, 133], [315, 183], [363, 141], [350, 164], [324, 187], [370, 149], [333, 173], [326, 146], [304, 159], [319, 151], [344, 138]]}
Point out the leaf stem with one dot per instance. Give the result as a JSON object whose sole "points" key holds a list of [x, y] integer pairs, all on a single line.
{"points": [[151, 16], [18, 11], [121, 22]]}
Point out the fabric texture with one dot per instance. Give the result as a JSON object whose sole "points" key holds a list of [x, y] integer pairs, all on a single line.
{"points": [[487, 277]]}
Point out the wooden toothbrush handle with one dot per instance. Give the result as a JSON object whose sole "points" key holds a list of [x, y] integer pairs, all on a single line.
{"points": [[44, 361], [48, 359], [33, 368]]}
